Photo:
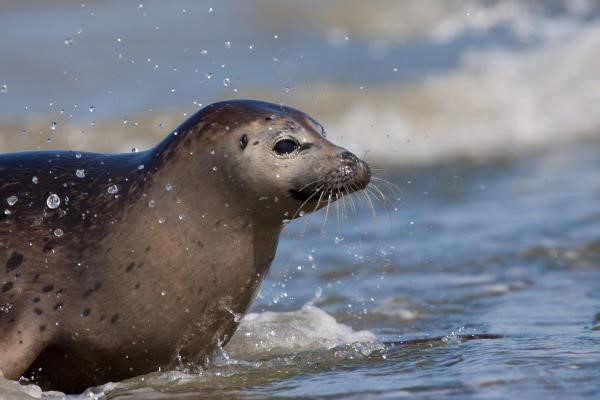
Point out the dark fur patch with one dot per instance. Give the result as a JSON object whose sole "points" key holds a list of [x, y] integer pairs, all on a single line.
{"points": [[6, 287], [48, 288], [88, 292], [114, 318], [130, 267], [86, 312], [14, 261], [38, 311]]}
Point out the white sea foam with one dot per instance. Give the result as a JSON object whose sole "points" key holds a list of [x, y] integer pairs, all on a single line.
{"points": [[497, 103], [307, 329]]}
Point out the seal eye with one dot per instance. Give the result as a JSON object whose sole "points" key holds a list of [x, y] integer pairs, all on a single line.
{"points": [[244, 141], [285, 146]]}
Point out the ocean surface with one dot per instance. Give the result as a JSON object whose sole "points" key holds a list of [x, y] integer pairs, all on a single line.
{"points": [[470, 268]]}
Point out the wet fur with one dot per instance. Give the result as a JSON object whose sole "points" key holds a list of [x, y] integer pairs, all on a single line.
{"points": [[120, 294]]}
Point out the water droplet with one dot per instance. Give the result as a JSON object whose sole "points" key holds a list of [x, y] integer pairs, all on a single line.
{"points": [[92, 108], [11, 200], [288, 89], [338, 240], [112, 189], [53, 125], [3, 88], [228, 45], [168, 187], [209, 75], [204, 52], [162, 293], [7, 211], [6, 307], [77, 155], [251, 46], [151, 203], [69, 41], [181, 217], [226, 82], [302, 213], [134, 150], [80, 173], [58, 232], [162, 220], [53, 201], [210, 10], [35, 180], [215, 168], [119, 40], [141, 166]]}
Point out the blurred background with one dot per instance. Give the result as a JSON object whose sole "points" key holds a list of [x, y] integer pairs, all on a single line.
{"points": [[484, 114], [411, 82]]}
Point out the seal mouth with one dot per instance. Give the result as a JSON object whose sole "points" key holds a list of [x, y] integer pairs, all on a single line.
{"points": [[351, 175]]}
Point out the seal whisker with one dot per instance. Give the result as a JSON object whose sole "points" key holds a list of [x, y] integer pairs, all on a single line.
{"points": [[349, 190], [310, 217], [370, 203], [382, 200], [327, 210], [311, 183], [340, 196], [394, 189], [317, 191], [379, 195], [337, 210]]}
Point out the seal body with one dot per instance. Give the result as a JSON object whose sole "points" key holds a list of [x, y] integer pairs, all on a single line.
{"points": [[119, 265]]}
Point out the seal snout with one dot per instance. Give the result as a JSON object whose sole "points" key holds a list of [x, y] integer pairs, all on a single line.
{"points": [[356, 173]]}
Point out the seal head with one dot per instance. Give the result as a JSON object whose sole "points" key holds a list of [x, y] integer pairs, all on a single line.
{"points": [[278, 157]]}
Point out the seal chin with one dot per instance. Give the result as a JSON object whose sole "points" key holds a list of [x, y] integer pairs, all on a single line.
{"points": [[350, 175]]}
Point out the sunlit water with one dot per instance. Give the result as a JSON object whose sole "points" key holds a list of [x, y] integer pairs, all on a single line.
{"points": [[477, 278]]}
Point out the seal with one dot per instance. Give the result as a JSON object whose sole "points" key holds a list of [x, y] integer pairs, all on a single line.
{"points": [[116, 265]]}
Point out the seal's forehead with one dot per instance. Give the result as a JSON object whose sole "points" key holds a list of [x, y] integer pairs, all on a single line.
{"points": [[241, 111]]}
